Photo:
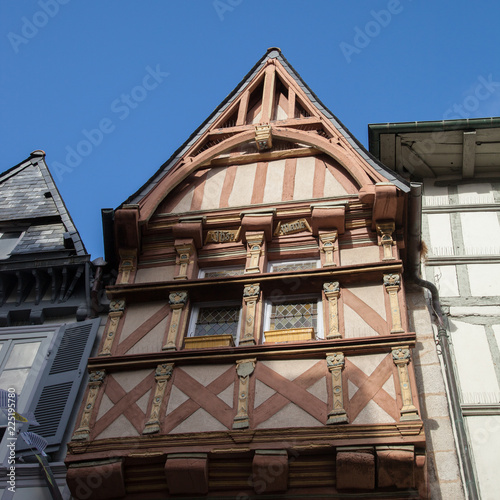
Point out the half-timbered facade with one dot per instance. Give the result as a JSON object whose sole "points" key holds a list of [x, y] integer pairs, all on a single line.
{"points": [[258, 340]]}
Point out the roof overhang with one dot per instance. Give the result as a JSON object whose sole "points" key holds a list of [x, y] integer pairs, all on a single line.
{"points": [[460, 149]]}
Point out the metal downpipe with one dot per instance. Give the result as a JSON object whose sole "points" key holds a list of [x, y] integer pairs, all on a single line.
{"points": [[414, 242]]}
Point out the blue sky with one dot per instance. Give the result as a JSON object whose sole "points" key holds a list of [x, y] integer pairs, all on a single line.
{"points": [[135, 78]]}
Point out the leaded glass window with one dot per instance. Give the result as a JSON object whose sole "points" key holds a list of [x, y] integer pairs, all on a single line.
{"points": [[217, 320], [296, 314], [294, 266]]}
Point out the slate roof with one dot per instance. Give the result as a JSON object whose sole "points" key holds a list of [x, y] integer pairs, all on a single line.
{"points": [[272, 53], [30, 200]]}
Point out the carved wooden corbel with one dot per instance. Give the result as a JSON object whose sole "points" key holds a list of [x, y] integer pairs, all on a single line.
{"points": [[327, 247], [95, 381], [385, 231], [401, 358], [116, 309], [250, 296], [392, 284], [335, 363], [332, 293], [162, 376], [177, 300], [244, 368]]}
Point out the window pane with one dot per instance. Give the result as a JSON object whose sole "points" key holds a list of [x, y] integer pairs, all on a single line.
{"points": [[14, 378], [22, 355], [217, 321], [294, 315], [295, 266]]}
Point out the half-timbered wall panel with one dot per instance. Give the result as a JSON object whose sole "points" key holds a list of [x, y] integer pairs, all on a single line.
{"points": [[293, 179]]}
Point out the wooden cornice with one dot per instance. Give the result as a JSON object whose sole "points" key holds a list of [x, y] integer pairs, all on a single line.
{"points": [[312, 279], [291, 350], [307, 439]]}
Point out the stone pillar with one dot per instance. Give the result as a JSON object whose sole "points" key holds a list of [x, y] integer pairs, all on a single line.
{"points": [[177, 300], [250, 297], [116, 309], [335, 362], [385, 231], [328, 247], [392, 285], [244, 368], [332, 293], [185, 253], [95, 381], [162, 376], [401, 358], [255, 244]]}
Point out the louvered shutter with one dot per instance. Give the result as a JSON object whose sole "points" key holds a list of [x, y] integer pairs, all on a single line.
{"points": [[60, 383]]}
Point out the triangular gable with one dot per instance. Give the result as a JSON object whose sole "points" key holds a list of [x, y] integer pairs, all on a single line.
{"points": [[28, 194], [272, 95]]}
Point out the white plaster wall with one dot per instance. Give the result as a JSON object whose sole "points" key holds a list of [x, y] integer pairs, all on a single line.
{"points": [[273, 189], [155, 274], [484, 432], [184, 204], [440, 234], [304, 178], [359, 255], [446, 281], [484, 279], [243, 185], [332, 186], [476, 373], [473, 194], [435, 195], [481, 233], [213, 188]]}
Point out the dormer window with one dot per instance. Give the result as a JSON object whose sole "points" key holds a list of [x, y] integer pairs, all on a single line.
{"points": [[8, 241]]}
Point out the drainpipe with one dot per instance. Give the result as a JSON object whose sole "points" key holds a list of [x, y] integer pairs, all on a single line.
{"points": [[414, 241]]}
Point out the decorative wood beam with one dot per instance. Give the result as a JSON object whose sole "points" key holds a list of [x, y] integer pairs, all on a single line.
{"points": [[469, 154], [162, 376], [332, 293], [251, 294], [392, 284], [244, 368], [116, 309], [335, 363], [177, 301], [268, 94], [401, 358], [243, 108], [264, 156], [95, 381]]}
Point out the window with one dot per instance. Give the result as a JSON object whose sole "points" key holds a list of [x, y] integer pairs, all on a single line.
{"points": [[295, 312], [9, 241], [293, 265], [45, 365], [302, 314], [218, 272], [215, 319]]}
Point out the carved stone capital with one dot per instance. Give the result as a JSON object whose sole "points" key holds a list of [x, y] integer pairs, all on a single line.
{"points": [[328, 247], [185, 252], [128, 260], [332, 287], [401, 355], [251, 291], [335, 360], [392, 280], [117, 306], [177, 299], [401, 358]]}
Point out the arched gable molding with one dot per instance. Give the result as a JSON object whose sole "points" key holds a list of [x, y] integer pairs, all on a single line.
{"points": [[349, 160]]}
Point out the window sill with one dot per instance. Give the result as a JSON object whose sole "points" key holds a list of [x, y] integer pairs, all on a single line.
{"points": [[290, 335], [209, 341]]}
